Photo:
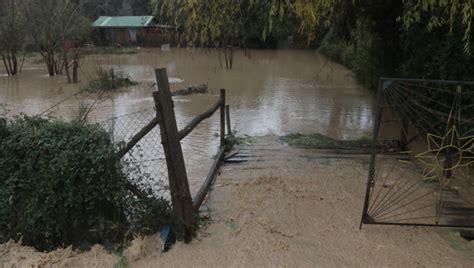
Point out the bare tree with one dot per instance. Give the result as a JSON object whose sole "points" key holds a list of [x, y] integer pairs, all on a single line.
{"points": [[73, 39], [12, 35], [56, 28]]}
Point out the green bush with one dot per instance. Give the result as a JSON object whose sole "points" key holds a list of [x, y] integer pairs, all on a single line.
{"points": [[63, 185]]}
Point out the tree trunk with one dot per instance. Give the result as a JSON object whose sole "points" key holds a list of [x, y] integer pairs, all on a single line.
{"points": [[61, 68], [22, 61], [14, 62], [6, 65], [10, 62], [75, 64], [75, 68], [231, 58], [49, 60], [68, 75], [56, 67], [66, 66], [220, 58], [226, 59]]}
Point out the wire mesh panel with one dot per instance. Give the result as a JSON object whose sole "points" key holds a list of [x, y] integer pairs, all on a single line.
{"points": [[422, 155], [145, 163]]}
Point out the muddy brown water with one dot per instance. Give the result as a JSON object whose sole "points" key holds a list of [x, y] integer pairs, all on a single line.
{"points": [[275, 92]]}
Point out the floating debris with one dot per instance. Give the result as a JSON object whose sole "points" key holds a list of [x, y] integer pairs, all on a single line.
{"points": [[175, 80], [192, 89]]}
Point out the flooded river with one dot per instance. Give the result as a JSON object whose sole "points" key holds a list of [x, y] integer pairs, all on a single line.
{"points": [[275, 92]]}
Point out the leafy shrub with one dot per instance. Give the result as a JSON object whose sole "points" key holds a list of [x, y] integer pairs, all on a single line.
{"points": [[62, 184]]}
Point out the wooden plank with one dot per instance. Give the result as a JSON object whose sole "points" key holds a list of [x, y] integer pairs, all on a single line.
{"points": [[178, 181], [201, 194], [239, 160], [231, 154], [142, 133], [198, 119]]}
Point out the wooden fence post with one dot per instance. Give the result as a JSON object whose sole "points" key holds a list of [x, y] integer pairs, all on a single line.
{"points": [[222, 117], [178, 181], [227, 119]]}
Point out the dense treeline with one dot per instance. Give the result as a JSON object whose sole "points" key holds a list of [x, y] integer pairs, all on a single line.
{"points": [[423, 39], [429, 39]]}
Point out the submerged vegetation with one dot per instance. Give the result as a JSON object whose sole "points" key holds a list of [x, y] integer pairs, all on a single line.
{"points": [[239, 140], [109, 80], [317, 140], [62, 184]]}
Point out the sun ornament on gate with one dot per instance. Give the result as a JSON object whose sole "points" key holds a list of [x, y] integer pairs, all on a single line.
{"points": [[449, 156], [435, 158], [437, 131]]}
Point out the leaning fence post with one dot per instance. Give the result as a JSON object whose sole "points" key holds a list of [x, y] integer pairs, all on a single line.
{"points": [[178, 181], [222, 117], [227, 119]]}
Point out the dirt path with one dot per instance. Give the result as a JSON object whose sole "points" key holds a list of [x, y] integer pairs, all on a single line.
{"points": [[286, 208]]}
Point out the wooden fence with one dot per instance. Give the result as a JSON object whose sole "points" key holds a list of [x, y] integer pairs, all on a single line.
{"points": [[184, 206]]}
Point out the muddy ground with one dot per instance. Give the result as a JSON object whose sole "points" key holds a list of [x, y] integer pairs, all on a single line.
{"points": [[287, 207]]}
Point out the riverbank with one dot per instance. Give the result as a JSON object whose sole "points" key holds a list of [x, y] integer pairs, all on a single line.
{"points": [[285, 207]]}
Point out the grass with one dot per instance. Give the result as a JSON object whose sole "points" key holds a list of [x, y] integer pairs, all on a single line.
{"points": [[108, 80], [122, 261], [322, 141], [239, 140], [316, 140]]}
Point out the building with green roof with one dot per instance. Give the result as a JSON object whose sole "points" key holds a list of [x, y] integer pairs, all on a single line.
{"points": [[130, 30], [124, 22]]}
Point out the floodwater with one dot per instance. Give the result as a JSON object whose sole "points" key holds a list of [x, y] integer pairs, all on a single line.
{"points": [[273, 92]]}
